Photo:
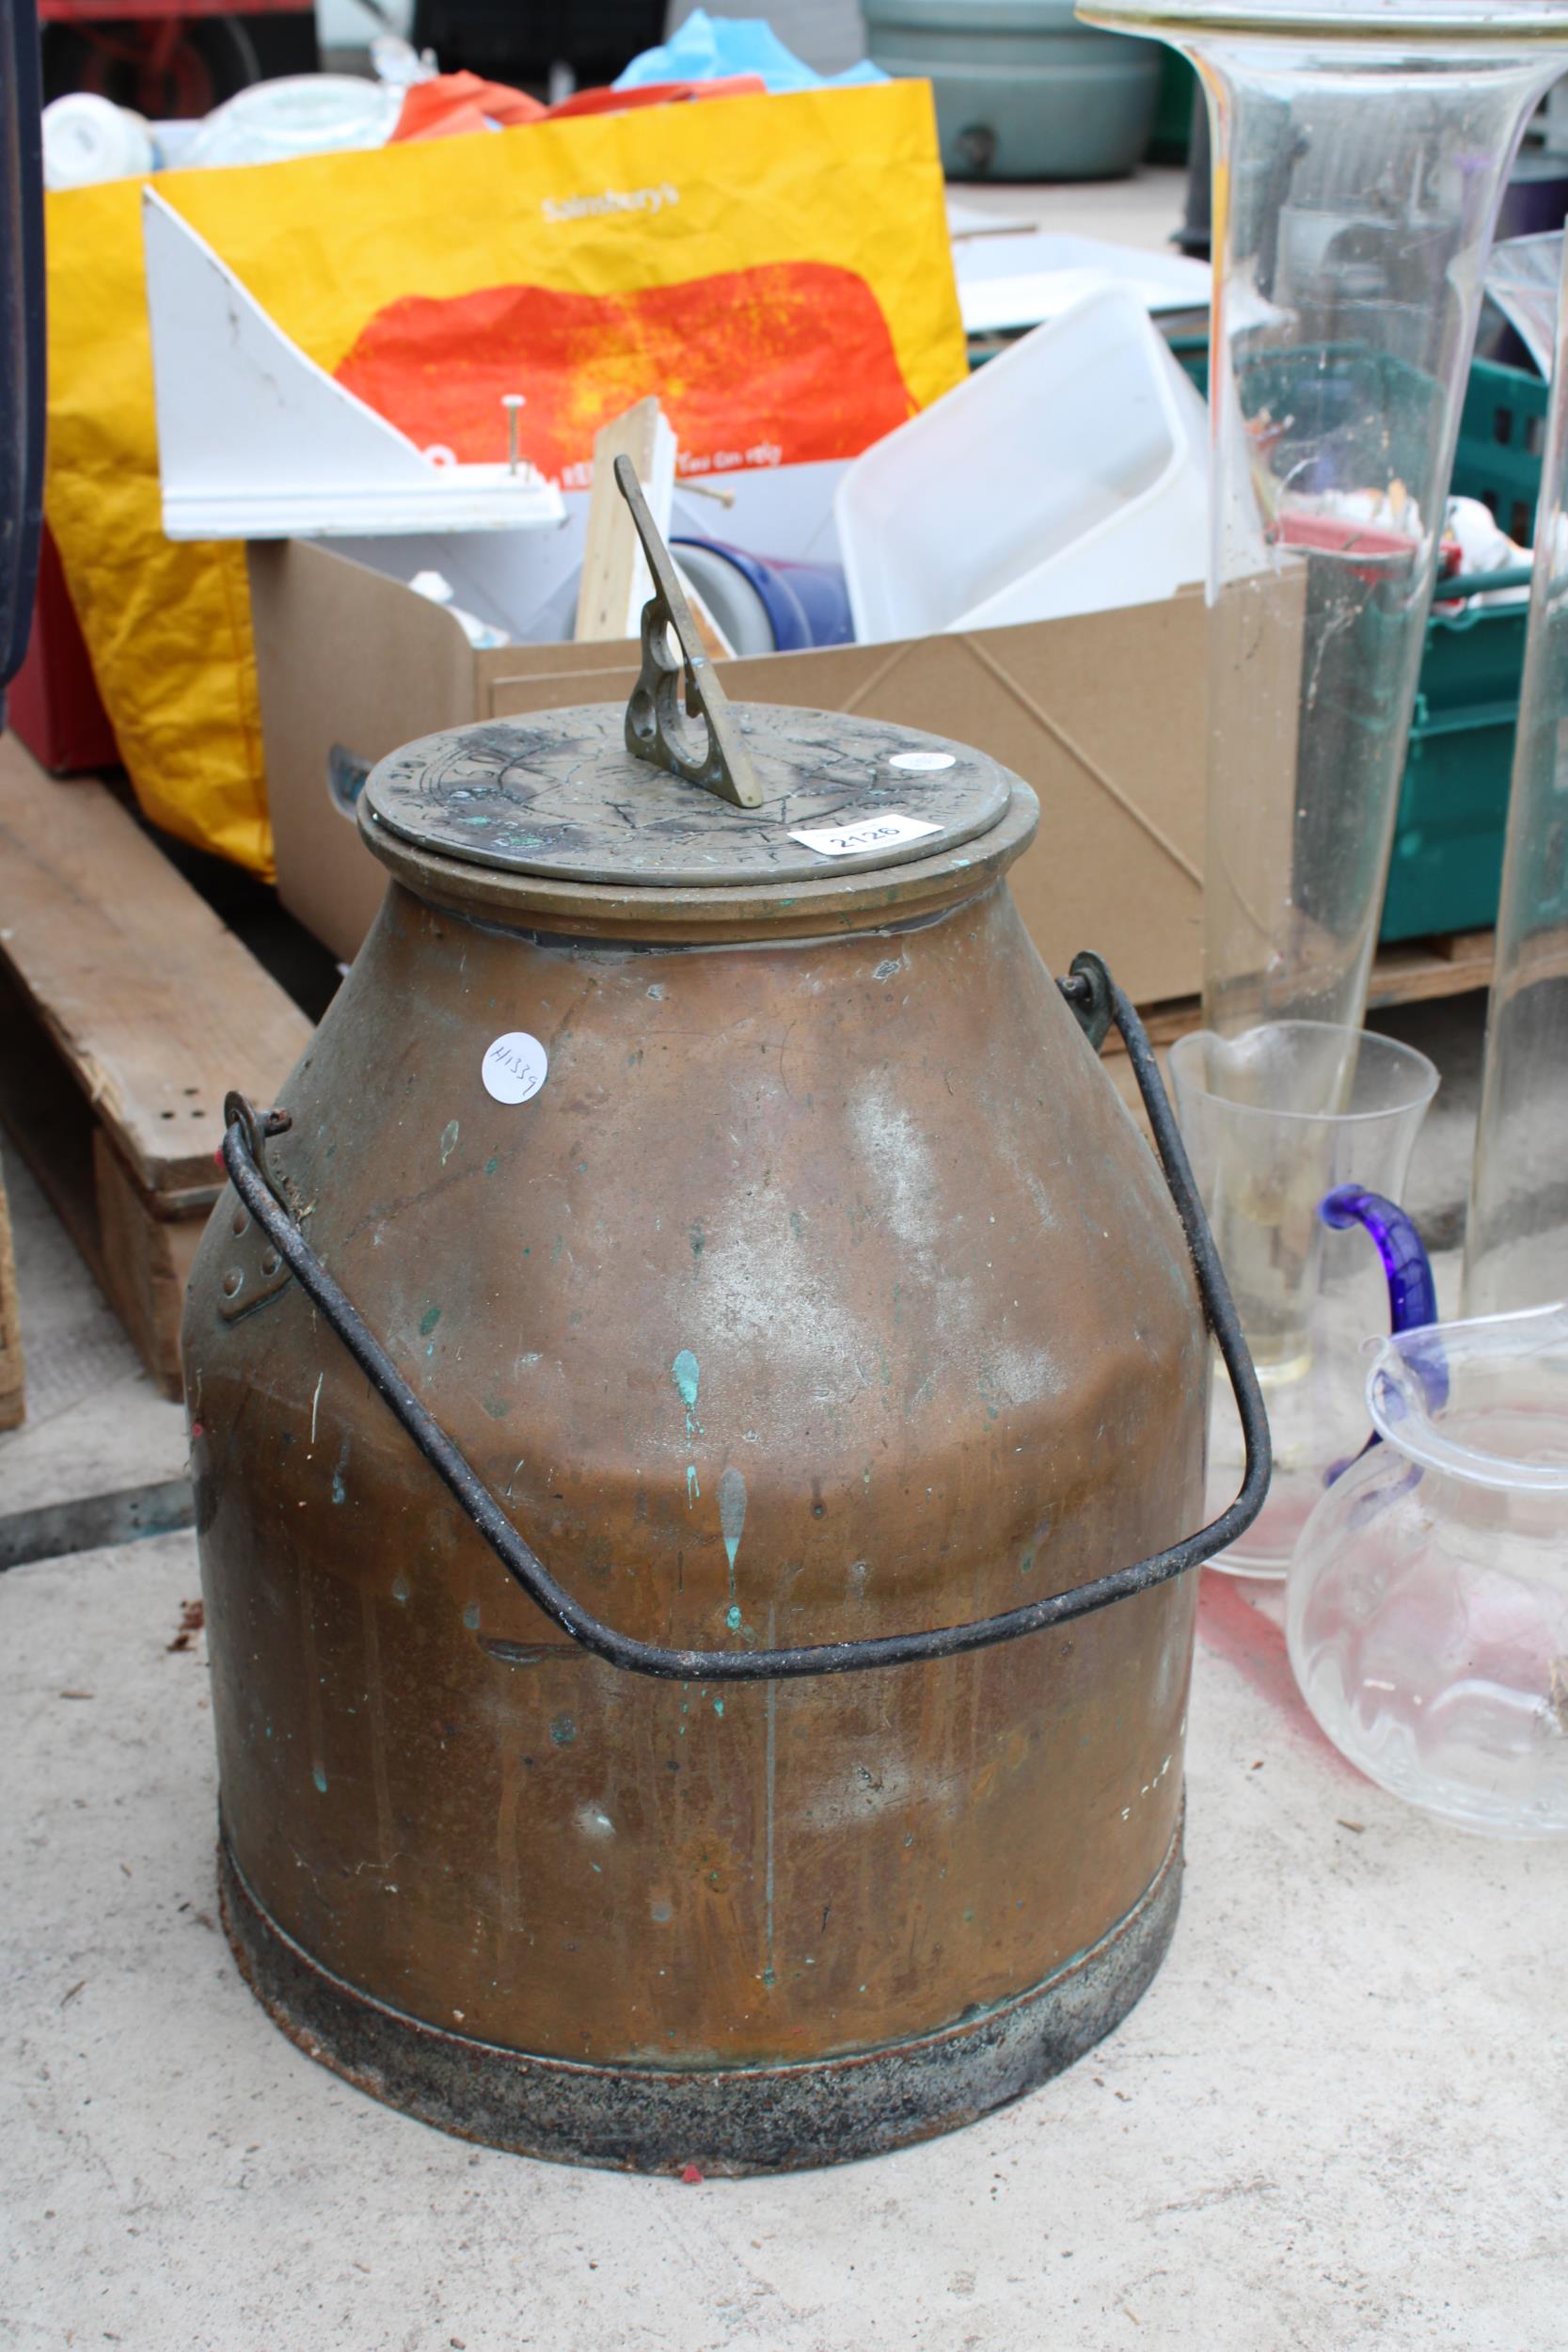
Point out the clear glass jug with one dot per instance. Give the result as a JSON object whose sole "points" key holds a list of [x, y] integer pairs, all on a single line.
{"points": [[1427, 1608], [1274, 1120]]}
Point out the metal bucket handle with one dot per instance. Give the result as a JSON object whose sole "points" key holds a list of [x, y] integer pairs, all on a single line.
{"points": [[1094, 999]]}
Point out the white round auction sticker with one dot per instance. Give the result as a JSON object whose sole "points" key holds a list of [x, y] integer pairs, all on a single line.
{"points": [[922, 763], [514, 1067]]}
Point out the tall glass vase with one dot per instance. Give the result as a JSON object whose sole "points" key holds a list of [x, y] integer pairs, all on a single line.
{"points": [[1360, 150], [1516, 1235]]}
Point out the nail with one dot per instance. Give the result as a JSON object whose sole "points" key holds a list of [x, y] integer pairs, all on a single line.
{"points": [[512, 402]]}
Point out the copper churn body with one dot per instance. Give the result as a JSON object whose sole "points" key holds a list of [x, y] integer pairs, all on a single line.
{"points": [[686, 1256]]}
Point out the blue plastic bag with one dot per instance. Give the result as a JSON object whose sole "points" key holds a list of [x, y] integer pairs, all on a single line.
{"points": [[706, 49]]}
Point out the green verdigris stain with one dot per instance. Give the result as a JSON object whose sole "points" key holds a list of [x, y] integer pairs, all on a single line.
{"points": [[491, 1165], [449, 1141], [564, 1731], [471, 1617], [731, 1617], [428, 1321], [732, 1515], [684, 1372]]}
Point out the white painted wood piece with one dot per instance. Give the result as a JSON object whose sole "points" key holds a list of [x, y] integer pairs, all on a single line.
{"points": [[616, 582], [256, 441]]}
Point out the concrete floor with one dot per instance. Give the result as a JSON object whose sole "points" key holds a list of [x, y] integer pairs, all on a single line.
{"points": [[1143, 210], [95, 1422], [1336, 2120]]}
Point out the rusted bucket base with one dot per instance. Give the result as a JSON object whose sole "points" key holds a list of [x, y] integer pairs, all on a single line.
{"points": [[762, 2119]]}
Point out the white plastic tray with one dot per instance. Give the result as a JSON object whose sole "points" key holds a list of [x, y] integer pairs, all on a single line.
{"points": [[1068, 475]]}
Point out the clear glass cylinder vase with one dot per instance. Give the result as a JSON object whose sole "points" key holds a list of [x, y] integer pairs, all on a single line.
{"points": [[1359, 155], [1516, 1234]]}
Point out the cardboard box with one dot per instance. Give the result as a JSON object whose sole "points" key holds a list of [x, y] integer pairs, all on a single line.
{"points": [[1103, 715]]}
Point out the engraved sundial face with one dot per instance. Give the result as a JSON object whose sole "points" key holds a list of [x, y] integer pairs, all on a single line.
{"points": [[558, 794]]}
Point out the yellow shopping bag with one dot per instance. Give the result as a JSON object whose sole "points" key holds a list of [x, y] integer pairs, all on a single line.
{"points": [[777, 269]]}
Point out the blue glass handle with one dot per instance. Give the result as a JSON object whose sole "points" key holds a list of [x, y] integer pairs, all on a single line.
{"points": [[1412, 1293]]}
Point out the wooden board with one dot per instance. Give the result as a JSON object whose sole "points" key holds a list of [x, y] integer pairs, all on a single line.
{"points": [[127, 1012], [145, 1261], [616, 583], [154, 1004], [1420, 969]]}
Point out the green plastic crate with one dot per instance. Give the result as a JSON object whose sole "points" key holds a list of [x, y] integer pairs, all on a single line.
{"points": [[1502, 431], [1448, 857]]}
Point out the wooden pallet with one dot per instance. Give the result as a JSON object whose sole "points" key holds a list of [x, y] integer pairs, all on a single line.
{"points": [[1410, 973], [1414, 973], [127, 1012]]}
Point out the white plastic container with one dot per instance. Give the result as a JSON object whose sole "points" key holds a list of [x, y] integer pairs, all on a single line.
{"points": [[87, 139], [1069, 475], [298, 114]]}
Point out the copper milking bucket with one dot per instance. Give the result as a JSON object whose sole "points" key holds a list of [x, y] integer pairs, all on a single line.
{"points": [[697, 1402]]}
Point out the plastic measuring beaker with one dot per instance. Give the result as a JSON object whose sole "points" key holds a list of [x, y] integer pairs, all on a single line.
{"points": [[1274, 1120]]}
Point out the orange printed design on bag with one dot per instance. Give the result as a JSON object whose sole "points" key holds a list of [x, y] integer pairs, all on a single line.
{"points": [[777, 269], [780, 364]]}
